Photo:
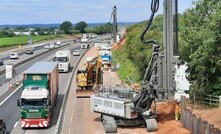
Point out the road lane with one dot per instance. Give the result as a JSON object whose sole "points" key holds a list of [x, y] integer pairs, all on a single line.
{"points": [[63, 83]]}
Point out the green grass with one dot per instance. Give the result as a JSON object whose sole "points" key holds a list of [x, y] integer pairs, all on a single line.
{"points": [[127, 68], [22, 40]]}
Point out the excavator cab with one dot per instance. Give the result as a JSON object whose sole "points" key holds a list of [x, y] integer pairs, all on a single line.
{"points": [[81, 78], [89, 77]]}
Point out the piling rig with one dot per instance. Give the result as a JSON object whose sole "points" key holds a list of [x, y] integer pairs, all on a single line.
{"points": [[163, 79]]}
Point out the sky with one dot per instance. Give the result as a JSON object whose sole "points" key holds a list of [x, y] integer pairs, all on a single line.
{"points": [[90, 11]]}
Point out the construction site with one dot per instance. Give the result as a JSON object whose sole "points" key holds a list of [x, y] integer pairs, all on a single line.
{"points": [[118, 81]]}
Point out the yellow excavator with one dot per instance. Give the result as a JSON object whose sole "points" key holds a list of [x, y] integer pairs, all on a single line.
{"points": [[91, 74]]}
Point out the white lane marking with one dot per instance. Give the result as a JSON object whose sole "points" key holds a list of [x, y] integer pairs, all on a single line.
{"points": [[15, 124], [72, 115], [10, 95], [69, 131], [72, 110]]}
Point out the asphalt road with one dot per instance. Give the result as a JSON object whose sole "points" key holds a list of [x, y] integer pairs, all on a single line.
{"points": [[11, 113], [23, 57]]}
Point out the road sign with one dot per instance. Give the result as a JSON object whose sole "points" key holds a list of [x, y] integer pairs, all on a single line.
{"points": [[29, 41], [8, 71]]}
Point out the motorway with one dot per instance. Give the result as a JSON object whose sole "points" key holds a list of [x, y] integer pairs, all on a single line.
{"points": [[10, 113]]}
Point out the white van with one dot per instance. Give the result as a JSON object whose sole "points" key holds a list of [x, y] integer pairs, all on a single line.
{"points": [[14, 56]]}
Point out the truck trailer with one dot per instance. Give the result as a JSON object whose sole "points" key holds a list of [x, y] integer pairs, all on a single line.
{"points": [[63, 57], [40, 91]]}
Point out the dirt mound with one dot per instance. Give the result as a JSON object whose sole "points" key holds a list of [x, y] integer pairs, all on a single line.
{"points": [[213, 116]]}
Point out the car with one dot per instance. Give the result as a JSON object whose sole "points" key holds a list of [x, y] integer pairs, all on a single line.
{"points": [[1, 63], [29, 52], [2, 127], [76, 53], [46, 46], [51, 46], [14, 56]]}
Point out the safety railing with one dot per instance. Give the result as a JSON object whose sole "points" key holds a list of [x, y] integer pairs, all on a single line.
{"points": [[212, 101]]}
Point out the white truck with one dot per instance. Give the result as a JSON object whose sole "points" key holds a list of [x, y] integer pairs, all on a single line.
{"points": [[84, 43], [63, 57], [49, 46], [105, 50], [58, 44]]}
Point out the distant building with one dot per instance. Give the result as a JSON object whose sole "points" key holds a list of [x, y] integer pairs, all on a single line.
{"points": [[25, 33], [29, 29], [22, 33], [56, 31]]}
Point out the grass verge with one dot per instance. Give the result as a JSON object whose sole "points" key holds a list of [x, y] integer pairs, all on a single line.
{"points": [[22, 40], [127, 68]]}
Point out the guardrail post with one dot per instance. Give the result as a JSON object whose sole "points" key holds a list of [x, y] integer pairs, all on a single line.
{"points": [[220, 101], [210, 100]]}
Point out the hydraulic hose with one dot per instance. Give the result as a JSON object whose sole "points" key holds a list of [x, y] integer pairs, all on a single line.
{"points": [[154, 9]]}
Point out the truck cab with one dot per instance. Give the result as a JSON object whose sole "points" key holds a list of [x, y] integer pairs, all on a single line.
{"points": [[31, 98], [84, 43], [63, 57], [106, 59]]}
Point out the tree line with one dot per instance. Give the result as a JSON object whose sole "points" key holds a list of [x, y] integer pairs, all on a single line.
{"points": [[82, 27], [66, 27]]}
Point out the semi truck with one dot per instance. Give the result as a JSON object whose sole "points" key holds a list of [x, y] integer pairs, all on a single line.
{"points": [[84, 43], [105, 53], [40, 91], [58, 43], [63, 57]]}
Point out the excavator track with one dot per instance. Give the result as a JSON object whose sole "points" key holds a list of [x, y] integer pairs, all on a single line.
{"points": [[109, 124], [84, 93], [151, 124]]}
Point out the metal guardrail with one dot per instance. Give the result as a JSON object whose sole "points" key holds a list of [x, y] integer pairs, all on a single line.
{"points": [[195, 124], [60, 123], [29, 59]]}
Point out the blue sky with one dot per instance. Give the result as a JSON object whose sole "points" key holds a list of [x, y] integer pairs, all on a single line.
{"points": [[90, 11]]}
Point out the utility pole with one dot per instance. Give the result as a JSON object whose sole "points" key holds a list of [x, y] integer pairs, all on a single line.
{"points": [[114, 14]]}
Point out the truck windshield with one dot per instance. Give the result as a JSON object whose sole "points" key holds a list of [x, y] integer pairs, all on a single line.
{"points": [[33, 102], [60, 59], [105, 60]]}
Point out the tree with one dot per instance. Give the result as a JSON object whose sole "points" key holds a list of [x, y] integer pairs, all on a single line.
{"points": [[90, 30], [81, 26], [66, 26], [200, 32]]}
